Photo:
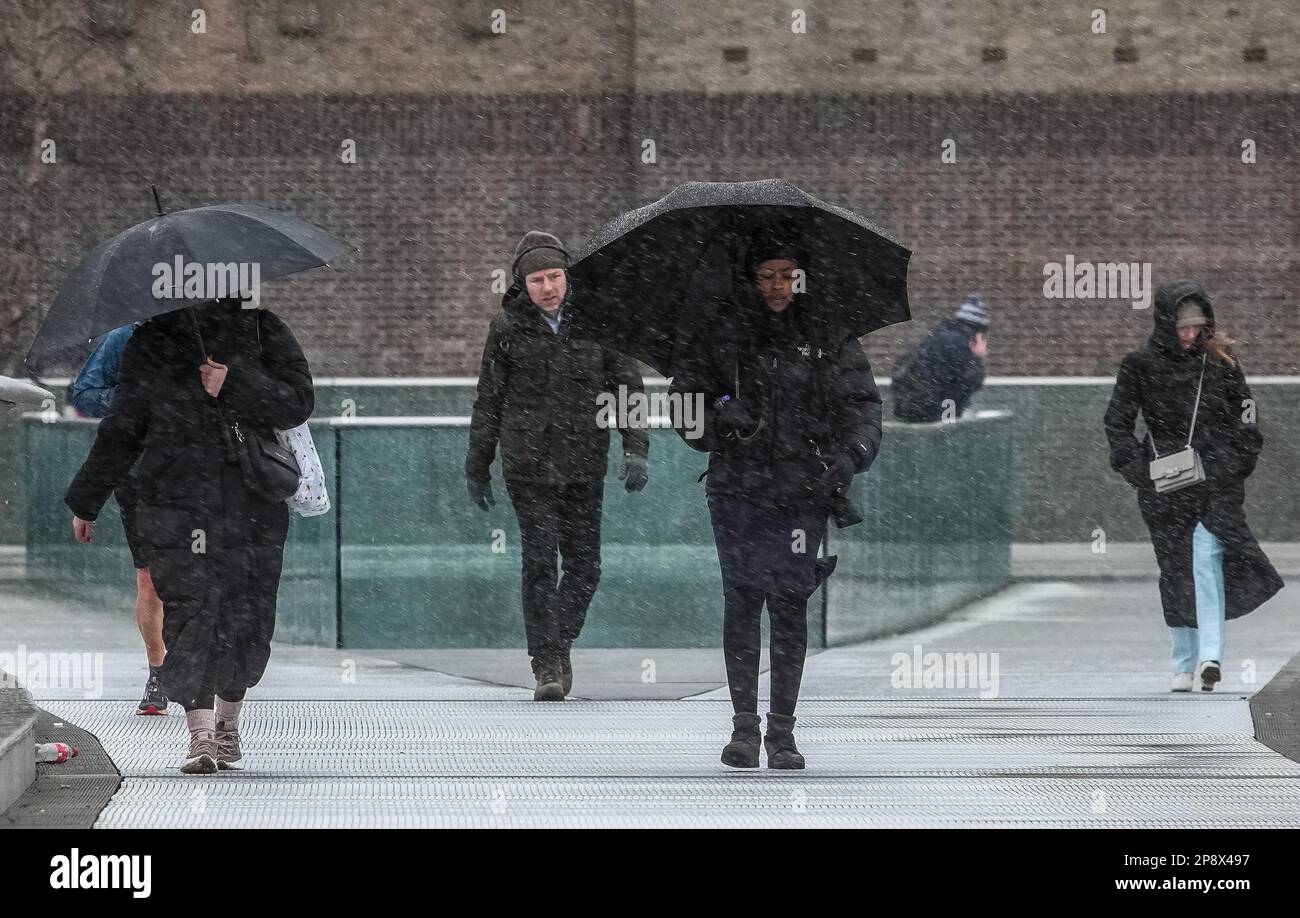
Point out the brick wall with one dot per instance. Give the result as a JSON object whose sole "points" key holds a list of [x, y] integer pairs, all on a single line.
{"points": [[673, 45], [990, 45], [445, 185]]}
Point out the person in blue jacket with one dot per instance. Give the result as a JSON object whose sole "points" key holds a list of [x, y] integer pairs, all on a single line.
{"points": [[91, 393]]}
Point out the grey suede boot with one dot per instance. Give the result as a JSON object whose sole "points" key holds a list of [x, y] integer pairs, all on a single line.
{"points": [[779, 742], [742, 751]]}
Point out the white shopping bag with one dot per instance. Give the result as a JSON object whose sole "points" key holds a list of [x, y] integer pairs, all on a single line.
{"points": [[312, 497]]}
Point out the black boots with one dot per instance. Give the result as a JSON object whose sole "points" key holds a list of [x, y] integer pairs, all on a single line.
{"points": [[742, 751], [779, 742]]}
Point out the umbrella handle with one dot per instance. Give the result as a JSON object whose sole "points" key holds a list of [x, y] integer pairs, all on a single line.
{"points": [[753, 433], [198, 335]]}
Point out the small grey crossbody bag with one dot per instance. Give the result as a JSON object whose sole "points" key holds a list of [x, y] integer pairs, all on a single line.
{"points": [[1176, 471]]}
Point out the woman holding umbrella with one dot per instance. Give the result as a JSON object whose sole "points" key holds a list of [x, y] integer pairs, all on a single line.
{"points": [[214, 544], [791, 408], [1190, 389], [792, 414], [201, 391]]}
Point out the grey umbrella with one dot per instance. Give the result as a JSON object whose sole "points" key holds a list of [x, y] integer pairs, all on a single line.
{"points": [[124, 279]]}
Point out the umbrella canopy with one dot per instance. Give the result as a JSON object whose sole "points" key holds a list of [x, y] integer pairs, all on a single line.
{"points": [[650, 276], [118, 282], [22, 393]]}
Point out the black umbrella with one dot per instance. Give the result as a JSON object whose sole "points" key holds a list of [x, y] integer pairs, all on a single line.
{"points": [[119, 281], [651, 275]]}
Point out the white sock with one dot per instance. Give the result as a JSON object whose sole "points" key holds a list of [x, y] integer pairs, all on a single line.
{"points": [[227, 714], [200, 720]]}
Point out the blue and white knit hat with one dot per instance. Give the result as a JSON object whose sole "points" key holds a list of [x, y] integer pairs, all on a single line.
{"points": [[974, 311]]}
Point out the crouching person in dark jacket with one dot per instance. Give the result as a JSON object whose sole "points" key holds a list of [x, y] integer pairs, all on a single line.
{"points": [[935, 382], [537, 397], [213, 542], [791, 415]]}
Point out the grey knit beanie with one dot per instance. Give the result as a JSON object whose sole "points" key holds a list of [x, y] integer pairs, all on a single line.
{"points": [[538, 251], [974, 311]]}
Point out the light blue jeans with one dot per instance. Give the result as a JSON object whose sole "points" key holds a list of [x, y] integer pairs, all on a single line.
{"points": [[1204, 642]]}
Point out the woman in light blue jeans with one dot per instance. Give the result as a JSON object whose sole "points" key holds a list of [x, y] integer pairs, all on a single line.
{"points": [[1190, 390], [1197, 649]]}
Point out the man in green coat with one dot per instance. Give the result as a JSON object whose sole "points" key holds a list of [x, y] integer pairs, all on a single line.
{"points": [[537, 397]]}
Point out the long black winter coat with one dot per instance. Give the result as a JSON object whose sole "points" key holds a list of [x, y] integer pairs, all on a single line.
{"points": [[1158, 381], [816, 397], [214, 548], [941, 368], [537, 397]]}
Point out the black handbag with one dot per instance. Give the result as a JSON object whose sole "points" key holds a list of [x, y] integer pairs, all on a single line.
{"points": [[266, 467]]}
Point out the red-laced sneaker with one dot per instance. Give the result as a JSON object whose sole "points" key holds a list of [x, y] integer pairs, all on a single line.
{"points": [[154, 700]]}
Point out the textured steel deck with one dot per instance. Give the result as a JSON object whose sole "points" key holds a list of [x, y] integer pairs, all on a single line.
{"points": [[1083, 732], [1102, 762]]}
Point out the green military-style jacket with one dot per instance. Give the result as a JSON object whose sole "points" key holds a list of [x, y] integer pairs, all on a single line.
{"points": [[537, 398]]}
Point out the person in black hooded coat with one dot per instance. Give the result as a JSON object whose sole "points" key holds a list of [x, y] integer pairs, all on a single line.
{"points": [[214, 546], [1211, 566], [791, 414]]}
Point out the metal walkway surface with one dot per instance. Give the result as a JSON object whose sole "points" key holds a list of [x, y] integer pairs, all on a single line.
{"points": [[1181, 761], [1082, 732]]}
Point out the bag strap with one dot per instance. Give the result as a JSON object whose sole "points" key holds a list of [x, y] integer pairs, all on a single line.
{"points": [[1197, 406], [1195, 409]]}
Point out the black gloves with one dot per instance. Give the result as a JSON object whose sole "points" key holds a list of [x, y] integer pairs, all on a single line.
{"points": [[480, 492], [635, 472], [863, 454], [733, 417], [838, 475]]}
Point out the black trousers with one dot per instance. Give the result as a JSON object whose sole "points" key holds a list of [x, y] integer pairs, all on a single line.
{"points": [[742, 644], [557, 520], [763, 564]]}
